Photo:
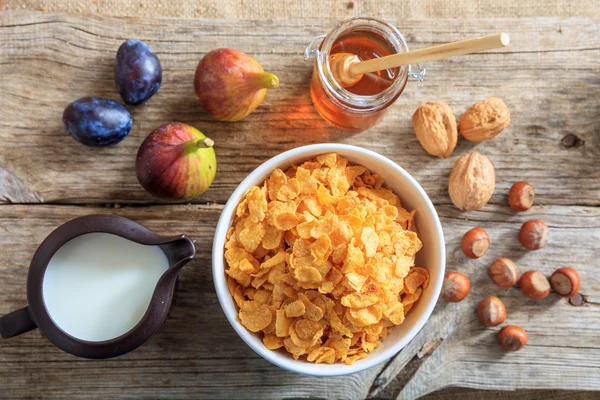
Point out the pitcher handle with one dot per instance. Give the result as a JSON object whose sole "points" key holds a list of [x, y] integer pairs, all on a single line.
{"points": [[16, 323]]}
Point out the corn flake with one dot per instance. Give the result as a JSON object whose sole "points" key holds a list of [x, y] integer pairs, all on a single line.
{"points": [[413, 281], [308, 184], [285, 221], [273, 261], [325, 196], [354, 258], [320, 249], [356, 281], [289, 191], [272, 342], [250, 238], [313, 312], [272, 238], [395, 313], [423, 272], [295, 309], [255, 316], [322, 355], [370, 240], [276, 181], [282, 323], [257, 204], [403, 266], [364, 316], [307, 274]]}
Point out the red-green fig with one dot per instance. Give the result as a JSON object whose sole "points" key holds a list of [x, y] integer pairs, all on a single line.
{"points": [[230, 84], [176, 162]]}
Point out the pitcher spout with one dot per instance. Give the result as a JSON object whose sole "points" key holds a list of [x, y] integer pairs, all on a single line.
{"points": [[179, 251]]}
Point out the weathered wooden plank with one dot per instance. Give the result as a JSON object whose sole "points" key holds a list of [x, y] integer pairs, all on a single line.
{"points": [[196, 353], [472, 394], [563, 350], [548, 78], [47, 60], [268, 9]]}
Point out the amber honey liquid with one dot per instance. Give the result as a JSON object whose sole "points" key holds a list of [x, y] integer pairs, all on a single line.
{"points": [[366, 44]]}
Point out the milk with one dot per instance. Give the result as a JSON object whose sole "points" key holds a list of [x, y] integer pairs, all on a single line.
{"points": [[98, 285]]}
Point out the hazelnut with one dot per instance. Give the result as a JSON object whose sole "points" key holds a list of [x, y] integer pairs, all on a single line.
{"points": [[484, 120], [504, 272], [456, 287], [435, 127], [491, 311], [472, 182], [533, 234], [475, 243], [565, 282], [521, 196], [512, 337], [534, 284]]}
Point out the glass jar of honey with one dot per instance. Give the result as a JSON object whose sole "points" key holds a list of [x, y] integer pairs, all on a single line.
{"points": [[362, 105]]}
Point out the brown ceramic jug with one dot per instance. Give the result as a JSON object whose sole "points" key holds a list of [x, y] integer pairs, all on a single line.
{"points": [[179, 250]]}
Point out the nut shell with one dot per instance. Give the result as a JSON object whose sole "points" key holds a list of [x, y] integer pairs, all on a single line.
{"points": [[534, 285], [491, 311], [435, 127], [512, 337], [475, 243], [521, 196], [472, 182], [503, 272], [533, 234], [566, 282], [484, 120], [456, 287]]}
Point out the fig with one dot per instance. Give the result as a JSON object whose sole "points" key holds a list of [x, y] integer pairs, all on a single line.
{"points": [[138, 73], [230, 84], [176, 162], [97, 122]]}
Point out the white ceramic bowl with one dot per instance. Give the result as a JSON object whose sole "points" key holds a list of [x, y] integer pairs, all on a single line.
{"points": [[432, 256]]}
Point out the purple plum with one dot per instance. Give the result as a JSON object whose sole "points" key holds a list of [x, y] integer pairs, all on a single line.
{"points": [[138, 73], [97, 122]]}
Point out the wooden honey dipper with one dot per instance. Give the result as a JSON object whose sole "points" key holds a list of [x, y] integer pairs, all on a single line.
{"points": [[348, 69]]}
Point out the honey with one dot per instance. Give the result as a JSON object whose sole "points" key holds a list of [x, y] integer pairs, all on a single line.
{"points": [[358, 107], [367, 45]]}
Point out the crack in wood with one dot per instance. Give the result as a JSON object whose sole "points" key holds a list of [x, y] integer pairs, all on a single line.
{"points": [[380, 382], [581, 299], [391, 389], [13, 190]]}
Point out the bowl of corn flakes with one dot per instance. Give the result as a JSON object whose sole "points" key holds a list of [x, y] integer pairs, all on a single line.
{"points": [[328, 259]]}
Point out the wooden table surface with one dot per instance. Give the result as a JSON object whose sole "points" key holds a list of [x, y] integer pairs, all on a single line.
{"points": [[549, 77]]}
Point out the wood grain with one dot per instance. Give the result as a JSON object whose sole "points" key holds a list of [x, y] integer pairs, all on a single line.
{"points": [[197, 353], [549, 80], [548, 77], [473, 394], [309, 9]]}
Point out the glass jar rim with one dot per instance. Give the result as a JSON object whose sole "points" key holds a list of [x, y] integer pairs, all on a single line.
{"points": [[371, 102]]}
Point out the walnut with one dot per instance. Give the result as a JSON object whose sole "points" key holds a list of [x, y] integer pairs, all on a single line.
{"points": [[472, 182], [484, 120], [435, 127]]}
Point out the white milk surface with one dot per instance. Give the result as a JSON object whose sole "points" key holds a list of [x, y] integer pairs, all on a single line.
{"points": [[98, 285]]}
